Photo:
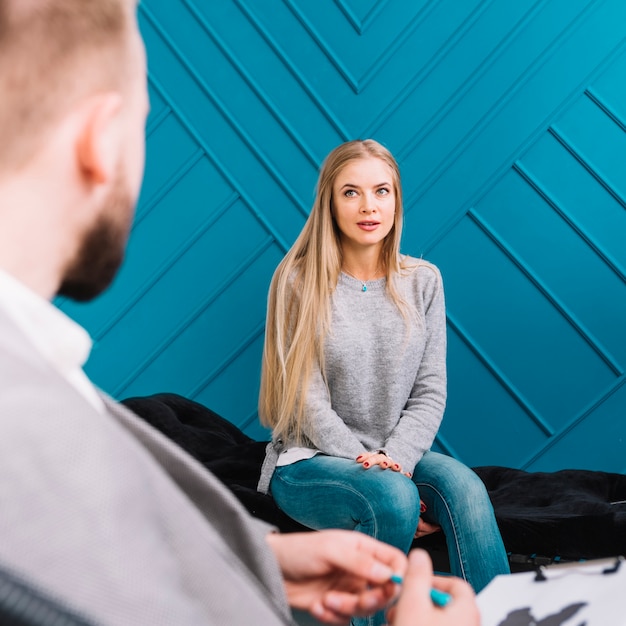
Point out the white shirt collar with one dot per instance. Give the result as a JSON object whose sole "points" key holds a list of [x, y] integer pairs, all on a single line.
{"points": [[58, 339]]}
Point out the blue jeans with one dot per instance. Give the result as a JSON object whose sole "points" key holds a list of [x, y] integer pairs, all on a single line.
{"points": [[331, 492]]}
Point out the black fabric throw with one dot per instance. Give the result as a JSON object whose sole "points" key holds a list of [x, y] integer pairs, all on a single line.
{"points": [[570, 514]]}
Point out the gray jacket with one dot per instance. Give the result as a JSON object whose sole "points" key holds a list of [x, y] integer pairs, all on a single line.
{"points": [[108, 515]]}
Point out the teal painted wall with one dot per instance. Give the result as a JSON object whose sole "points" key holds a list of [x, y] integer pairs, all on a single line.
{"points": [[509, 123]]}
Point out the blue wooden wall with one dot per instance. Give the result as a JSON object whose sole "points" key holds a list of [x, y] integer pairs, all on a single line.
{"points": [[508, 119]]}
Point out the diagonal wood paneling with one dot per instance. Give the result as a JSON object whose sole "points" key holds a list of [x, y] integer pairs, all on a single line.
{"points": [[555, 341], [509, 122]]}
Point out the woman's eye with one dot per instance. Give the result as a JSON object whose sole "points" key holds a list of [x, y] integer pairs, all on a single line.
{"points": [[383, 191], [350, 193]]}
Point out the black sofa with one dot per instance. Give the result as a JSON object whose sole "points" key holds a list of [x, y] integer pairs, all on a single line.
{"points": [[543, 517]]}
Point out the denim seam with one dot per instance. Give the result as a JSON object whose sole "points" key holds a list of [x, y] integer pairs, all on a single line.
{"points": [[456, 539]]}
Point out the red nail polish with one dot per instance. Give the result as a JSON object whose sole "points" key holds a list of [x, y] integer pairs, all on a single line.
{"points": [[358, 458], [366, 464]]}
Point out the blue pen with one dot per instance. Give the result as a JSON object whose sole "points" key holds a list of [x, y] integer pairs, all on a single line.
{"points": [[439, 598]]}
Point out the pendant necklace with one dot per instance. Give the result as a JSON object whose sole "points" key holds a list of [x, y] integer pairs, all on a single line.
{"points": [[363, 282]]}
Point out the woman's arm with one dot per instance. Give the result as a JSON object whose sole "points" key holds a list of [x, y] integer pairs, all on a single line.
{"points": [[422, 414], [324, 428]]}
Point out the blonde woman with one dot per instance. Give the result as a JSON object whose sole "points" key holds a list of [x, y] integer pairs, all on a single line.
{"points": [[354, 377]]}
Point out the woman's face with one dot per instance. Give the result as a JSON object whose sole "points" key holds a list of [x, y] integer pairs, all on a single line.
{"points": [[364, 202]]}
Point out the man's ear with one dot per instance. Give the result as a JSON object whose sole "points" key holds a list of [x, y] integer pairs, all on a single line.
{"points": [[99, 137]]}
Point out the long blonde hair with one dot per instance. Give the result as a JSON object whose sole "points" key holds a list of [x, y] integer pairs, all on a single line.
{"points": [[298, 311]]}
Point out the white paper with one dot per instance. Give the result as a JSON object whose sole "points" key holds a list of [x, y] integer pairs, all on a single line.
{"points": [[580, 594]]}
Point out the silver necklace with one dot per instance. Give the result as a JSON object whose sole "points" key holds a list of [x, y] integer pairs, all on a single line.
{"points": [[363, 282]]}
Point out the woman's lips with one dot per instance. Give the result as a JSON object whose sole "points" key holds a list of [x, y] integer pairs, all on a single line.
{"points": [[368, 225]]}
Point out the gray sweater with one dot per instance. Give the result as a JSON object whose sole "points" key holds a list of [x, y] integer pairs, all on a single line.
{"points": [[385, 377]]}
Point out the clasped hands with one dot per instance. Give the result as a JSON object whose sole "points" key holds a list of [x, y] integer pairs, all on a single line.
{"points": [[370, 459]]}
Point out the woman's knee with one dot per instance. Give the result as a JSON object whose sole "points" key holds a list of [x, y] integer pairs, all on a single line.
{"points": [[449, 476], [391, 494], [389, 509]]}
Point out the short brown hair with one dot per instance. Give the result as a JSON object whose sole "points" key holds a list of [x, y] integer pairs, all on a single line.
{"points": [[53, 52]]}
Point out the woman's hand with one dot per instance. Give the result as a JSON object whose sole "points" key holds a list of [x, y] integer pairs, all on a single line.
{"points": [[415, 605], [369, 459], [425, 528], [335, 574]]}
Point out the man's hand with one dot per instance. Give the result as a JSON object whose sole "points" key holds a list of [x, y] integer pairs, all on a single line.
{"points": [[415, 605], [335, 574]]}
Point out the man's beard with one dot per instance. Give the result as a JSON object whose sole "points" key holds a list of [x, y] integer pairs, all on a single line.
{"points": [[102, 249]]}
